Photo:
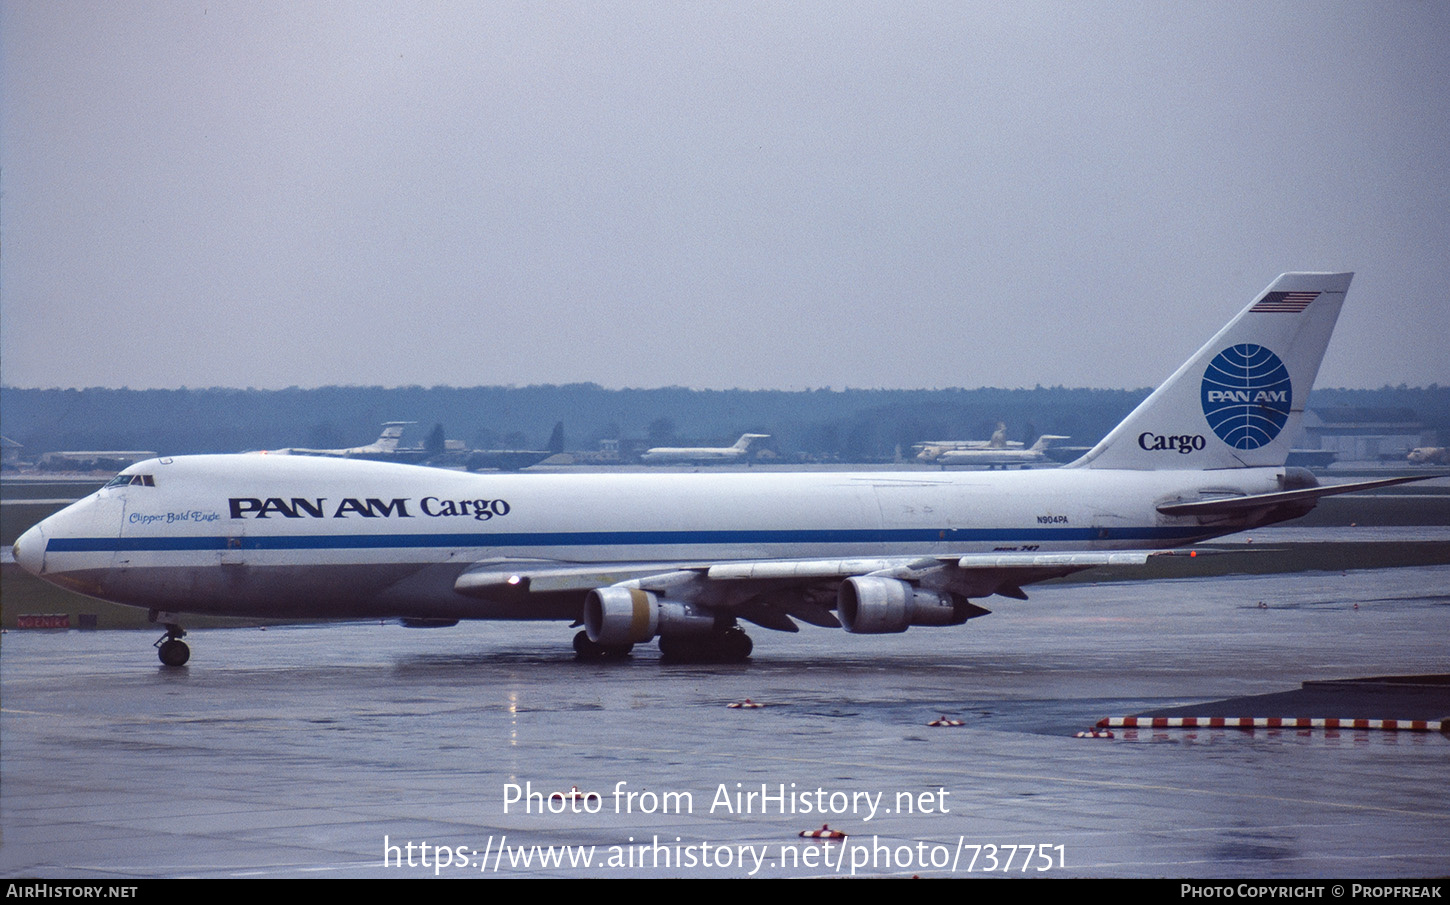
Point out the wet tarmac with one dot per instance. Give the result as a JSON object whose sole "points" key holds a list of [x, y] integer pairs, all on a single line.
{"points": [[329, 750], [1420, 699]]}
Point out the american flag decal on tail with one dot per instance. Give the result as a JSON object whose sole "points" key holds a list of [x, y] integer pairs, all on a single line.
{"points": [[1284, 302]]}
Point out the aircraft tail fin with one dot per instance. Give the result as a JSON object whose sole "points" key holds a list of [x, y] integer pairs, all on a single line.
{"points": [[1046, 440], [556, 439], [1238, 402], [392, 433]]}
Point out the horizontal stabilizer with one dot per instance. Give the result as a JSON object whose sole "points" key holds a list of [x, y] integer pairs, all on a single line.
{"points": [[1258, 500]]}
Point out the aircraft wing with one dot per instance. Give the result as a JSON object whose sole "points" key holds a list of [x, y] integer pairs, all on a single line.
{"points": [[748, 584], [494, 577], [772, 569]]}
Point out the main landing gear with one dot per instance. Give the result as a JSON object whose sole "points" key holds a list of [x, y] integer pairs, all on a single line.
{"points": [[170, 648], [585, 649], [730, 645]]}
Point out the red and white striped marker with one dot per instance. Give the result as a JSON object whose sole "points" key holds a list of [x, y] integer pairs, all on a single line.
{"points": [[945, 721], [825, 832], [1269, 722], [746, 704]]}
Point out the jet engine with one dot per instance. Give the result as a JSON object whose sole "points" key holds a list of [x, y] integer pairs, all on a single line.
{"points": [[630, 616], [868, 605]]}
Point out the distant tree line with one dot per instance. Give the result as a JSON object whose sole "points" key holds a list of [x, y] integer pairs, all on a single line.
{"points": [[845, 425]]}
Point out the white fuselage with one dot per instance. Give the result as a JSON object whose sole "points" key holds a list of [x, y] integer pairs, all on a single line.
{"points": [[992, 457], [304, 537], [684, 455]]}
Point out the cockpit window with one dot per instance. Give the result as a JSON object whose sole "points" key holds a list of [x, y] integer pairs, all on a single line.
{"points": [[137, 480]]}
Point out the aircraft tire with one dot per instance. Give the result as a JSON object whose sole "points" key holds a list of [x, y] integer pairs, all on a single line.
{"points": [[736, 645], [173, 653], [729, 646], [585, 649], [675, 649]]}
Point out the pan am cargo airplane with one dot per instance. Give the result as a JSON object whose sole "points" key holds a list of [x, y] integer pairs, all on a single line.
{"points": [[685, 557]]}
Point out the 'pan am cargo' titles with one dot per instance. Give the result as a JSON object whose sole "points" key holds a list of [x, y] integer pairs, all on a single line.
{"points": [[371, 507]]}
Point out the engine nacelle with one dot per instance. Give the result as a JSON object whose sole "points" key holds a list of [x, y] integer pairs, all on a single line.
{"points": [[869, 605], [632, 616]]}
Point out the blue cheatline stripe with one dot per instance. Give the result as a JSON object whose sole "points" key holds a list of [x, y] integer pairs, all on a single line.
{"points": [[611, 538]]}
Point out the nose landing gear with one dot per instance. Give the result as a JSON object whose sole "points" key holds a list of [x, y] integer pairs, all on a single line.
{"points": [[170, 648]]}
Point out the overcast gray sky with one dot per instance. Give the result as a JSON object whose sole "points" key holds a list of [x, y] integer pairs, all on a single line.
{"points": [[740, 194]]}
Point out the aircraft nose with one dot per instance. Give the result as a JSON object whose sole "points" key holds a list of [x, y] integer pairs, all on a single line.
{"points": [[29, 550]]}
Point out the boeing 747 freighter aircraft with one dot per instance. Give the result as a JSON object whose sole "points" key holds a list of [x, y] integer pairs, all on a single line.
{"points": [[686, 557]]}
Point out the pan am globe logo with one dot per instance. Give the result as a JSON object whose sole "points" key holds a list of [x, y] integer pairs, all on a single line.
{"points": [[1246, 395]]}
